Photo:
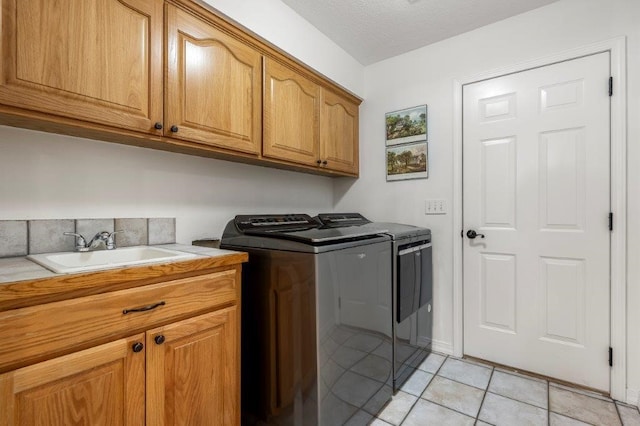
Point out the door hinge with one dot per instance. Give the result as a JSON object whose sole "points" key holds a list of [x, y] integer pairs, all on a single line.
{"points": [[610, 221], [610, 86], [610, 356]]}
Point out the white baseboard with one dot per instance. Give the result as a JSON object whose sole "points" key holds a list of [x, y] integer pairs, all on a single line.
{"points": [[633, 397], [436, 345]]}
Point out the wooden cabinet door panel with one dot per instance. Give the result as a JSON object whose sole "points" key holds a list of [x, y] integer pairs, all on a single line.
{"points": [[291, 112], [214, 85], [193, 375], [95, 60], [103, 385], [338, 133]]}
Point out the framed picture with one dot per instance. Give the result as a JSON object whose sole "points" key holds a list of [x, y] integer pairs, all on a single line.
{"points": [[408, 161], [407, 125]]}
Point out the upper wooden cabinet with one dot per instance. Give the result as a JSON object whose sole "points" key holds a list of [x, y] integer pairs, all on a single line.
{"points": [[291, 112], [98, 60], [338, 133], [214, 85], [172, 75], [307, 124]]}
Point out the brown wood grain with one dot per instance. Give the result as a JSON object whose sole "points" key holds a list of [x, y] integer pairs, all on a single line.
{"points": [[192, 378], [339, 133], [39, 332], [101, 385], [98, 60], [124, 110], [30, 292], [214, 85], [291, 113]]}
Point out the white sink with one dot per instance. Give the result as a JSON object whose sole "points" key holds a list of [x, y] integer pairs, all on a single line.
{"points": [[67, 262]]}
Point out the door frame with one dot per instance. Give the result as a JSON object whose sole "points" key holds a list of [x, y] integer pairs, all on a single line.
{"points": [[618, 195]]}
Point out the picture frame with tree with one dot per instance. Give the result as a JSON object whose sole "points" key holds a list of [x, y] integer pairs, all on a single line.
{"points": [[407, 125], [407, 161]]}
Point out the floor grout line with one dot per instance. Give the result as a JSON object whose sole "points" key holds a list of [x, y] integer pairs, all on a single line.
{"points": [[484, 396], [548, 403], [486, 391]]}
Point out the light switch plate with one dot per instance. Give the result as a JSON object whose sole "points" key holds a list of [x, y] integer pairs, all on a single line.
{"points": [[435, 207]]}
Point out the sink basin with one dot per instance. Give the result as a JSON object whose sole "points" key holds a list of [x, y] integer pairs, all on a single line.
{"points": [[67, 262]]}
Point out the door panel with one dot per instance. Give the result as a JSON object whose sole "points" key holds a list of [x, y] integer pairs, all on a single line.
{"points": [[536, 184], [101, 385], [98, 60], [214, 85], [497, 281], [291, 112], [193, 373], [498, 184], [338, 133], [562, 178]]}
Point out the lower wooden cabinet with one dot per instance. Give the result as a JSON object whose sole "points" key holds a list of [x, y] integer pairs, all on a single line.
{"points": [[191, 376], [193, 373], [179, 366], [102, 385]]}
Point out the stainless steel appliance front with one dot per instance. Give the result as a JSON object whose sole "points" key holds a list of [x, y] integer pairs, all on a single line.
{"points": [[316, 325]]}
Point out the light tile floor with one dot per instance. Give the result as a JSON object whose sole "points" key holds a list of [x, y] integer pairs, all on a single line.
{"points": [[450, 391]]}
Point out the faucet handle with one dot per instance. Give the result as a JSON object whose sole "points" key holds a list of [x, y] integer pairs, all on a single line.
{"points": [[81, 242], [111, 240]]}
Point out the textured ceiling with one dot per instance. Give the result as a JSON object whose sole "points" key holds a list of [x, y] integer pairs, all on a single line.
{"points": [[373, 30]]}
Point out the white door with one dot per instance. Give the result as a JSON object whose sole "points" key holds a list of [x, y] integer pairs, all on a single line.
{"points": [[536, 185]]}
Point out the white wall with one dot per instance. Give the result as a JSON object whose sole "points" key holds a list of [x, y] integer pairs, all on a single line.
{"points": [[52, 176], [426, 76], [279, 24], [47, 176]]}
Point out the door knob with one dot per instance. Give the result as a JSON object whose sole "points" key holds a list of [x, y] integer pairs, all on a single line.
{"points": [[471, 234]]}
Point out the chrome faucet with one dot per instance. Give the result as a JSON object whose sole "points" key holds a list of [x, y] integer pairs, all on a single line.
{"points": [[106, 237]]}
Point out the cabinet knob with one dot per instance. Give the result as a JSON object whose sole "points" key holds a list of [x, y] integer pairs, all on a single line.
{"points": [[319, 161], [174, 129], [159, 339], [324, 163], [137, 346], [158, 126]]}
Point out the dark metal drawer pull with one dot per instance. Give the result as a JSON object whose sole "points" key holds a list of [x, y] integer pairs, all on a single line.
{"points": [[144, 308]]}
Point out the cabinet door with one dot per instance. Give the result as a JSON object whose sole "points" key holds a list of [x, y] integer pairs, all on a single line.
{"points": [[291, 112], [103, 385], [338, 133], [193, 372], [214, 85], [95, 60]]}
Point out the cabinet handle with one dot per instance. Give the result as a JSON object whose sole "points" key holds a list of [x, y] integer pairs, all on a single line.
{"points": [[144, 308], [319, 161], [159, 339], [324, 163], [174, 129], [158, 126], [137, 347]]}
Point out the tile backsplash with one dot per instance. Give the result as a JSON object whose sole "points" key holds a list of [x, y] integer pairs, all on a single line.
{"points": [[13, 238], [23, 237]]}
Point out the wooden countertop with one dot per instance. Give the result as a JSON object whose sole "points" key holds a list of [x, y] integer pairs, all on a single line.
{"points": [[36, 285]]}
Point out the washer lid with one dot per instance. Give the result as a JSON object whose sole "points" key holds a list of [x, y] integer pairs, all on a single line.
{"points": [[299, 227]]}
